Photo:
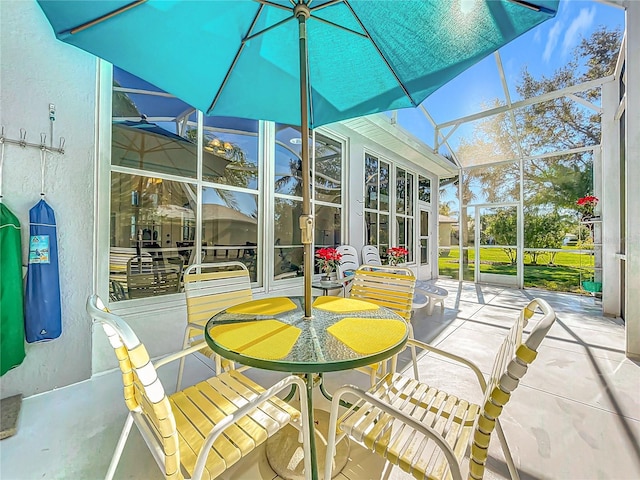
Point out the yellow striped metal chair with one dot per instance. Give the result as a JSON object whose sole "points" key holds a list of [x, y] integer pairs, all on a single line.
{"points": [[210, 288], [426, 431], [200, 431], [391, 287]]}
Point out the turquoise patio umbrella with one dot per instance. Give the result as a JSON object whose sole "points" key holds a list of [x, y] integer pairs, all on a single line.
{"points": [[298, 62]]}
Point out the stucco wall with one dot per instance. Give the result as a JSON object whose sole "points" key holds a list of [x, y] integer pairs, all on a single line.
{"points": [[38, 70]]}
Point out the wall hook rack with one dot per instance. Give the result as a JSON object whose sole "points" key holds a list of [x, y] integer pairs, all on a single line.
{"points": [[22, 142]]}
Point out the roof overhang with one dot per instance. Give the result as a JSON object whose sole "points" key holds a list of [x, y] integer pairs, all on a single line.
{"points": [[379, 129]]}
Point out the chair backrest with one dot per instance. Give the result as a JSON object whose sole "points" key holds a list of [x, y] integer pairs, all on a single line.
{"points": [[212, 287], [144, 394], [390, 287], [349, 261], [150, 276], [509, 367], [370, 255]]}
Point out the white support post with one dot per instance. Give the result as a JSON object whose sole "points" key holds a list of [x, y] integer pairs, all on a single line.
{"points": [[610, 201], [632, 177]]}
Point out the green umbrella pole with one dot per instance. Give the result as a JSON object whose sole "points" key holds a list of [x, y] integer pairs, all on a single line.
{"points": [[301, 11]]}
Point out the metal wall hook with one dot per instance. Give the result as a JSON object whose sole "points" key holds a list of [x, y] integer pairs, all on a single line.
{"points": [[43, 141], [61, 145], [1, 133], [23, 138]]}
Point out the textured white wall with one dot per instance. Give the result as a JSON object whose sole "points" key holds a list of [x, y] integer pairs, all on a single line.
{"points": [[37, 70]]}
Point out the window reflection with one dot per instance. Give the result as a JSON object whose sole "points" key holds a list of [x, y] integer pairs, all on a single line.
{"points": [[288, 250], [151, 234], [327, 169], [327, 226], [231, 148], [151, 147], [377, 204], [230, 228], [424, 189], [288, 164]]}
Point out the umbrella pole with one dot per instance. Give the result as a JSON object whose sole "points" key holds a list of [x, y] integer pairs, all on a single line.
{"points": [[301, 12]]}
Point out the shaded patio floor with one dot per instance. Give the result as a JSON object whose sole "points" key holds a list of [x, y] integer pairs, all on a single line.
{"points": [[576, 414]]}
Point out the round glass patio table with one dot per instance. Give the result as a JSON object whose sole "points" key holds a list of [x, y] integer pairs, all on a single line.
{"points": [[272, 334]]}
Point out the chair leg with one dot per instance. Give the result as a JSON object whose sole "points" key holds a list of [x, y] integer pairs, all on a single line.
{"points": [[119, 447], [430, 306], [414, 357], [513, 471], [185, 344]]}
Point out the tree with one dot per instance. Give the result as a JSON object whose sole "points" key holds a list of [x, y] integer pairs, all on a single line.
{"points": [[554, 125], [543, 230], [503, 227]]}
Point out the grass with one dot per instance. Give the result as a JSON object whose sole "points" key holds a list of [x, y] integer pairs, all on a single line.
{"points": [[562, 276]]}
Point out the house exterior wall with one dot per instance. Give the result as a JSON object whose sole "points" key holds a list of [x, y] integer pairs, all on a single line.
{"points": [[36, 71]]}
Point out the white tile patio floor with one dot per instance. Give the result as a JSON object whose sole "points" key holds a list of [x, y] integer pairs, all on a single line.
{"points": [[575, 416]]}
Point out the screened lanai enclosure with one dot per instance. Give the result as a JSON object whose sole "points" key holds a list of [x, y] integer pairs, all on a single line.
{"points": [[518, 180]]}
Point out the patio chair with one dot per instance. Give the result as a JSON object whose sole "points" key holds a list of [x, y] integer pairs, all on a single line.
{"points": [[210, 288], [426, 431], [389, 287], [370, 255], [348, 265], [204, 429]]}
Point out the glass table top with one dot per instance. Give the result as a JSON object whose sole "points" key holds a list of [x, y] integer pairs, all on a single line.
{"points": [[272, 333]]}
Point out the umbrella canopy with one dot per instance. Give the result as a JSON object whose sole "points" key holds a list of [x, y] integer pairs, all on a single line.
{"points": [[299, 62], [148, 146]]}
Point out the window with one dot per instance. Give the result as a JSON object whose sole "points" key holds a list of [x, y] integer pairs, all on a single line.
{"points": [[172, 204], [327, 197], [376, 204], [156, 188], [424, 189], [405, 216]]}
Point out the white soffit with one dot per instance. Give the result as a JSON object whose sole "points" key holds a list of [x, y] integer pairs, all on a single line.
{"points": [[379, 129]]}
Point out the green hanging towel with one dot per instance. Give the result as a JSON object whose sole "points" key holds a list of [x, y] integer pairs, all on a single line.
{"points": [[11, 296]]}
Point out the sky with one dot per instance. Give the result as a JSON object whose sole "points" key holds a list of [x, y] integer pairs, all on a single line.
{"points": [[541, 50]]}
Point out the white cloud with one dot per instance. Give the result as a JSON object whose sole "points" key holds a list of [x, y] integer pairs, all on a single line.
{"points": [[552, 41], [537, 36], [578, 26]]}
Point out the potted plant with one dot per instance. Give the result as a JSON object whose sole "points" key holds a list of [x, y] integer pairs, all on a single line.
{"points": [[397, 255], [586, 207], [328, 259]]}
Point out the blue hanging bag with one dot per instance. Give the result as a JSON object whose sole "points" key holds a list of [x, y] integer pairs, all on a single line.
{"points": [[43, 313]]}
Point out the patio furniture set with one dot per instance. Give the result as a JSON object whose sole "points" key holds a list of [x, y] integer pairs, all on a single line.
{"points": [[425, 294], [203, 429]]}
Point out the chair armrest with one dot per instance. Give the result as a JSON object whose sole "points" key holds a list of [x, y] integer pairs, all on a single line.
{"points": [[454, 357], [397, 414], [178, 355]]}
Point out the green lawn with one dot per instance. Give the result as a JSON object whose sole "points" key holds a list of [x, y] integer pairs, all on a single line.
{"points": [[563, 275]]}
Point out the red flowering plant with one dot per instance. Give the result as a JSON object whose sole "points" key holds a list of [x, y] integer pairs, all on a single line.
{"points": [[586, 206], [397, 255], [328, 259]]}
